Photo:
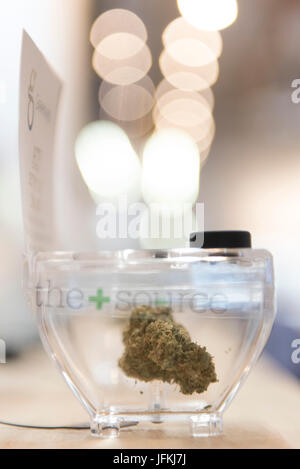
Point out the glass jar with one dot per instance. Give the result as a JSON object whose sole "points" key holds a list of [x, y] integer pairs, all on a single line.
{"points": [[153, 337]]}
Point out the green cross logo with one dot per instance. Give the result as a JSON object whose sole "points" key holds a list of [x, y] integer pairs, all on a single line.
{"points": [[161, 302], [99, 299]]}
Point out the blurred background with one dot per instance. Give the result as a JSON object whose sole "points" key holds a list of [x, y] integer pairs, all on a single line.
{"points": [[249, 181]]}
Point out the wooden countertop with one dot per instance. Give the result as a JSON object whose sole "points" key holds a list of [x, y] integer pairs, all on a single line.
{"points": [[264, 414]]}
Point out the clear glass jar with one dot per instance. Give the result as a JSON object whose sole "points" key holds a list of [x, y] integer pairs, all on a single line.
{"points": [[220, 299]]}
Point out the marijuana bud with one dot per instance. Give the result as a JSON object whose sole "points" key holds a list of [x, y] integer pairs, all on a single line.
{"points": [[158, 348]]}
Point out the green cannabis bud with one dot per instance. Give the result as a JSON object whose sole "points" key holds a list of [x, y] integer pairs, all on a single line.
{"points": [[158, 348]]}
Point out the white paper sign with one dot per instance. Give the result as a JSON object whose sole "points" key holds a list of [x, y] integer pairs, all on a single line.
{"points": [[40, 91]]}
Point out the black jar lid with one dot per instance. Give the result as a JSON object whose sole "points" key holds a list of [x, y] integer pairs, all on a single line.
{"points": [[221, 240]]}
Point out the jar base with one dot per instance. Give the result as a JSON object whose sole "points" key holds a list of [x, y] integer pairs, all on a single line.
{"points": [[199, 425]]}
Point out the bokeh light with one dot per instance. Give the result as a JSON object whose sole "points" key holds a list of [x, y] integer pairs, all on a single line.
{"points": [[209, 14], [188, 78], [187, 111], [129, 106], [127, 103], [107, 161], [171, 168], [190, 52], [180, 29], [124, 71], [164, 87], [118, 34]]}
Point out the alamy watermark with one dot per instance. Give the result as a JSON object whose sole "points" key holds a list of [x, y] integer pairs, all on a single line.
{"points": [[296, 93], [122, 220], [2, 352], [296, 353]]}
